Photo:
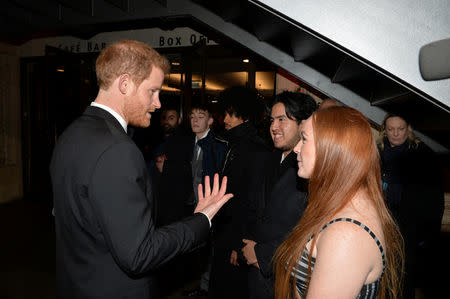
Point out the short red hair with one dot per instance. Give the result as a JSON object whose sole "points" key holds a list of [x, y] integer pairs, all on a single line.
{"points": [[128, 57]]}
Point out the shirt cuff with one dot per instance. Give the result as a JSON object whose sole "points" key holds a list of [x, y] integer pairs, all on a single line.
{"points": [[209, 220]]}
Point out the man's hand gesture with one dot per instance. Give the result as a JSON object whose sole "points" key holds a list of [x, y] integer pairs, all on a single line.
{"points": [[210, 202]]}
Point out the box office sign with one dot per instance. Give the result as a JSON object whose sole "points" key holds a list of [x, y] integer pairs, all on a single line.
{"points": [[155, 37]]}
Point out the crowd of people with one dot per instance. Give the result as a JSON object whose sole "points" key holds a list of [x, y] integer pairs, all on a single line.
{"points": [[313, 212]]}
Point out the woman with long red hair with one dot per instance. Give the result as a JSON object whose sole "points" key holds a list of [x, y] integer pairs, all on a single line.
{"points": [[346, 244]]}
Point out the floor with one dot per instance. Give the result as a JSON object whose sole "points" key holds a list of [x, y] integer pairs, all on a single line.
{"points": [[27, 252], [27, 255]]}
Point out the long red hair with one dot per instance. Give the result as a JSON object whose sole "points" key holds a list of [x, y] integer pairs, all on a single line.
{"points": [[346, 161]]}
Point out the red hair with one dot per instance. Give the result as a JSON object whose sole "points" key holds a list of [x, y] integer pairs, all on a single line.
{"points": [[346, 161]]}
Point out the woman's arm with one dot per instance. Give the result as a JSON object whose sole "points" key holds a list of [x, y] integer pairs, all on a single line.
{"points": [[346, 257]]}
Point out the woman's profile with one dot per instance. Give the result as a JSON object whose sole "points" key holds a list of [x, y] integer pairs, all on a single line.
{"points": [[346, 244]]}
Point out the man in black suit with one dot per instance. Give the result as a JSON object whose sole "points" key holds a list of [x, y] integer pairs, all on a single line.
{"points": [[106, 242], [287, 193]]}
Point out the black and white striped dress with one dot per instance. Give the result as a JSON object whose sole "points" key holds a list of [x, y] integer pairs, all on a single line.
{"points": [[300, 272]]}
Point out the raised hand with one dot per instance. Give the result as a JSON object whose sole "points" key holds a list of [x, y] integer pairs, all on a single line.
{"points": [[211, 201]]}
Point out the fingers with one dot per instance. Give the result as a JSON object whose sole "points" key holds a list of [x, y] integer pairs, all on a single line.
{"points": [[218, 188], [223, 187], [216, 184], [245, 241], [200, 192], [207, 186], [224, 199], [232, 259], [234, 262]]}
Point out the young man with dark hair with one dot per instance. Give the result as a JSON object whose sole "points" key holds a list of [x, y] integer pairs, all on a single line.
{"points": [[244, 165], [242, 103], [170, 120], [286, 193]]}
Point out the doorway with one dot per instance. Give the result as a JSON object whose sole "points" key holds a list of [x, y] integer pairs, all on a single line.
{"points": [[56, 89]]}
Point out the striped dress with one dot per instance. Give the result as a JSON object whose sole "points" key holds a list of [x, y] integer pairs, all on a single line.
{"points": [[301, 270]]}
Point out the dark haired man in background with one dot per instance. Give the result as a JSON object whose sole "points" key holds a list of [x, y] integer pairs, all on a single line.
{"points": [[170, 121], [244, 166], [286, 192]]}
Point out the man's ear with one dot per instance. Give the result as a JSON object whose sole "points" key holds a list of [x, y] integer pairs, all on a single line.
{"points": [[179, 120], [124, 83], [210, 121]]}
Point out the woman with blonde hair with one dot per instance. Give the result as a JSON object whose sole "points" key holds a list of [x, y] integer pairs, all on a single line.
{"points": [[346, 244], [413, 187]]}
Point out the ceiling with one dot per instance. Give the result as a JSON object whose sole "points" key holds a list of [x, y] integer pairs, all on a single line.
{"points": [[353, 53]]}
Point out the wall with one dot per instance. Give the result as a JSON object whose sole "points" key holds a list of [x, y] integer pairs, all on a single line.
{"points": [[10, 130]]}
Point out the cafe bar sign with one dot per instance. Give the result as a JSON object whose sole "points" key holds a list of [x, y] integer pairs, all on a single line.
{"points": [[154, 37]]}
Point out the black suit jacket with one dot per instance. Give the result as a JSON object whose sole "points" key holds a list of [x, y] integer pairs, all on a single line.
{"points": [[106, 241], [282, 211]]}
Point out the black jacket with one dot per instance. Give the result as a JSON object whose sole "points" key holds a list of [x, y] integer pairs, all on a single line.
{"points": [[245, 167], [106, 242], [214, 150], [285, 206], [285, 203], [174, 188], [413, 185]]}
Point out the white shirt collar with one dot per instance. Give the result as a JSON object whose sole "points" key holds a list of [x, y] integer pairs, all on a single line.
{"points": [[282, 158], [204, 135], [116, 115]]}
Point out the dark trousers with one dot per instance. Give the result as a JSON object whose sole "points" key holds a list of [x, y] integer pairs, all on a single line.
{"points": [[259, 287], [226, 280]]}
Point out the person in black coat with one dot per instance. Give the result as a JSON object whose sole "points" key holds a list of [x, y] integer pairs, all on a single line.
{"points": [[244, 167], [207, 158], [188, 158], [171, 125], [413, 186], [286, 192], [175, 181], [106, 242], [172, 177]]}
